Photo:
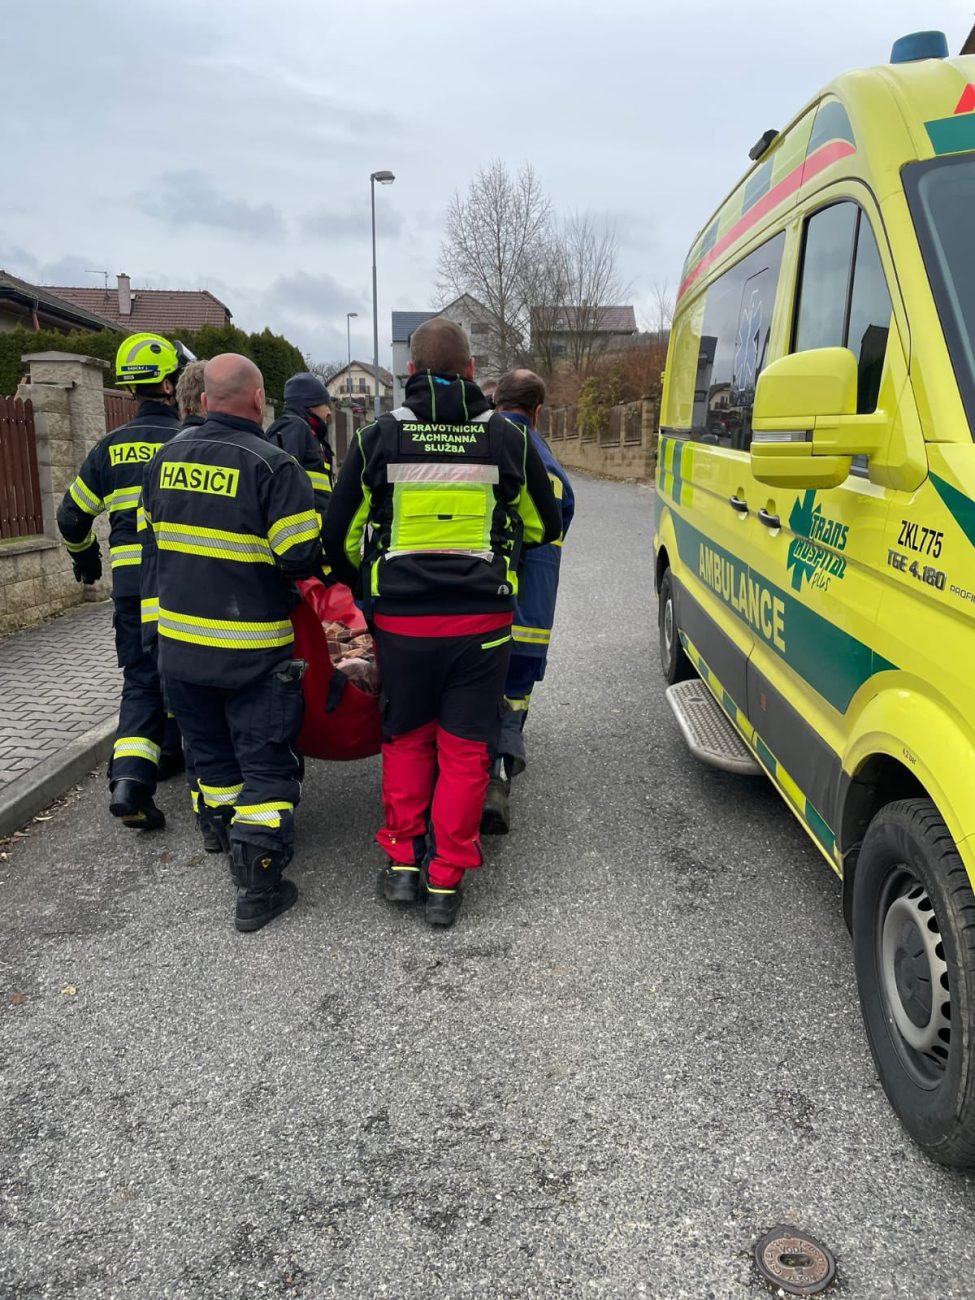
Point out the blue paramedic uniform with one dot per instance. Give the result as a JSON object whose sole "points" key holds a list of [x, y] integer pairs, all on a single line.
{"points": [[538, 587]]}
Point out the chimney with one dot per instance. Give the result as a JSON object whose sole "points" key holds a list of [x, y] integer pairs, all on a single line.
{"points": [[124, 295]]}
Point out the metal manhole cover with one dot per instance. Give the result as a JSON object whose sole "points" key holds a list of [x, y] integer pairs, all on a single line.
{"points": [[793, 1261]]}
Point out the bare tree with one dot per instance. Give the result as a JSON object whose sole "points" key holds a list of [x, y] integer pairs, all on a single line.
{"points": [[494, 236], [325, 370], [544, 282], [590, 282], [661, 311], [547, 289]]}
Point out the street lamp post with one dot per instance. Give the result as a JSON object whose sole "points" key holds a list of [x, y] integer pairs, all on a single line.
{"points": [[384, 178], [348, 340]]}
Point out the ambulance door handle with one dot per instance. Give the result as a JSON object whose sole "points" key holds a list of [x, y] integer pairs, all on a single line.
{"points": [[770, 521], [736, 503]]}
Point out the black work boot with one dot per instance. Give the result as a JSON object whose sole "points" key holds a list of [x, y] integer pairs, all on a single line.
{"points": [[442, 905], [255, 907], [496, 819], [261, 893], [398, 882], [131, 801], [214, 826]]}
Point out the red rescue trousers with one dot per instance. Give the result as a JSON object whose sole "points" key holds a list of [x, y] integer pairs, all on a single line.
{"points": [[443, 680]]}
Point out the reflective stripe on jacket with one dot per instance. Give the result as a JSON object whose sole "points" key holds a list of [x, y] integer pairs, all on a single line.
{"points": [[230, 521], [538, 585], [111, 480]]}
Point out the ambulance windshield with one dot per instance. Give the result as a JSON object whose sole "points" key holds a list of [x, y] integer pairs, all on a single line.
{"points": [[942, 198]]}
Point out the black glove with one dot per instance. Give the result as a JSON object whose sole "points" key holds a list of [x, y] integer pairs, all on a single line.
{"points": [[87, 564]]}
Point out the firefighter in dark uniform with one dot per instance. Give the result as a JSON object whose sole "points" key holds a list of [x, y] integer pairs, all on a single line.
{"points": [[520, 396], [302, 431], [232, 521], [428, 519], [189, 400], [147, 748]]}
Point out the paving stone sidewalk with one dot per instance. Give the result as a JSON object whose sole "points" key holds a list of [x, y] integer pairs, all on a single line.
{"points": [[59, 692]]}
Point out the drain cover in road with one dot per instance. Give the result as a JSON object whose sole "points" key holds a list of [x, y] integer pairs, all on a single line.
{"points": [[794, 1262]]}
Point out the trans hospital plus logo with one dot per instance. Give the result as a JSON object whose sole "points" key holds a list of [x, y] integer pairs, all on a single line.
{"points": [[812, 551]]}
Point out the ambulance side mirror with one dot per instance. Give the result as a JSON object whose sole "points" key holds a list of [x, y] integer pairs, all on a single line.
{"points": [[805, 430]]}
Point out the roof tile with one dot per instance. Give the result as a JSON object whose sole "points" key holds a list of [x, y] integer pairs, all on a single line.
{"points": [[609, 320], [384, 375], [164, 310], [57, 304], [405, 322]]}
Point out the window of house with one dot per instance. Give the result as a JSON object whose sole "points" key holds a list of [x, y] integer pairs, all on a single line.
{"points": [[479, 327], [734, 346], [842, 298]]}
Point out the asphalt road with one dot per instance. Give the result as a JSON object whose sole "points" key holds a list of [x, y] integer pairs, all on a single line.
{"points": [[638, 1050]]}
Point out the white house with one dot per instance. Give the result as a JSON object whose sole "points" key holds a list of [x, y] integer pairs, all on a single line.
{"points": [[356, 382], [473, 318]]}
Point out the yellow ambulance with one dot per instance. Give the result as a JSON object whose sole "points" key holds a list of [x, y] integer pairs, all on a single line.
{"points": [[815, 543]]}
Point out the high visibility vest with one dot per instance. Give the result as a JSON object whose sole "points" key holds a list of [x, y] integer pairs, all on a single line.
{"points": [[444, 503], [441, 503]]}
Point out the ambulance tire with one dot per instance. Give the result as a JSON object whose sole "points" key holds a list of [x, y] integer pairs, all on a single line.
{"points": [[914, 950], [674, 662]]}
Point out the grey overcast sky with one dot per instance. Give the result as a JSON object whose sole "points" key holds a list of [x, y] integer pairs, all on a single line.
{"points": [[227, 144]]}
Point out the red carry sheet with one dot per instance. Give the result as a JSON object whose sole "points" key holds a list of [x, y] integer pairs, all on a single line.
{"points": [[341, 720]]}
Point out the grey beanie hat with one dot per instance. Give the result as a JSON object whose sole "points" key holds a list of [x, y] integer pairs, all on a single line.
{"points": [[306, 390]]}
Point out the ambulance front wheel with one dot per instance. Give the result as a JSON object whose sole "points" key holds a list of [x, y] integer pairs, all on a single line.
{"points": [[674, 662], [914, 949]]}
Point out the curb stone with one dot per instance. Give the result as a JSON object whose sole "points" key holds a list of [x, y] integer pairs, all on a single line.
{"points": [[21, 799]]}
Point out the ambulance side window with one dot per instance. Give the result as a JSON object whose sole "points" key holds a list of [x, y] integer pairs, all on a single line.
{"points": [[870, 312], [734, 346], [842, 297], [825, 279]]}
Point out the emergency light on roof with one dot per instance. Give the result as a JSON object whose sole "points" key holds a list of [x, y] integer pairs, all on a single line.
{"points": [[919, 45]]}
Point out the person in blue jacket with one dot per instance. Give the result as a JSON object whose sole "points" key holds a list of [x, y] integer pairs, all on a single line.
{"points": [[520, 396]]}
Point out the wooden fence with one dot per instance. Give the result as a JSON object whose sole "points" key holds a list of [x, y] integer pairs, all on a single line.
{"points": [[20, 489], [120, 408]]}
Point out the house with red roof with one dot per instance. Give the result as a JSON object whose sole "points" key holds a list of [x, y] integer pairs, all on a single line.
{"points": [[159, 311]]}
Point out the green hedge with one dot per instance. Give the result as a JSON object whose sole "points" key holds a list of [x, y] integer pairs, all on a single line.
{"points": [[277, 358]]}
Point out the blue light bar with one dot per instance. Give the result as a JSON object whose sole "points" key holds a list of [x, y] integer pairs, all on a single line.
{"points": [[919, 45]]}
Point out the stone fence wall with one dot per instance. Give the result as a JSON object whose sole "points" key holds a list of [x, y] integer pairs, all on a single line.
{"points": [[68, 395], [621, 443]]}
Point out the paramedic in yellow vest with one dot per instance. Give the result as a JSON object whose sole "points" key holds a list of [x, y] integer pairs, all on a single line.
{"points": [[428, 520]]}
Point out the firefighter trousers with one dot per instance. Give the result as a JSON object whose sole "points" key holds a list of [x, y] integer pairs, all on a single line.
{"points": [[441, 699], [144, 727], [244, 752], [524, 671]]}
